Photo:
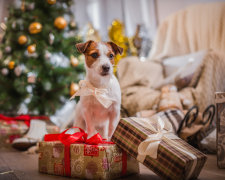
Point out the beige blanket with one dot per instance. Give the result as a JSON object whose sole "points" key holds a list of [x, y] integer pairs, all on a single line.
{"points": [[137, 81], [212, 79], [192, 29]]}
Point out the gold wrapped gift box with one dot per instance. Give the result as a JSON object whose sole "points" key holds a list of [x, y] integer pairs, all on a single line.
{"points": [[105, 161]]}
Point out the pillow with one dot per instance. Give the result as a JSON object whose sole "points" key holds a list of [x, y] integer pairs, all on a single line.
{"points": [[188, 72], [181, 73], [173, 64]]}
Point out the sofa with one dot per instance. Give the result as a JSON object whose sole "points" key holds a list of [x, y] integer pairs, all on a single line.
{"points": [[183, 34]]}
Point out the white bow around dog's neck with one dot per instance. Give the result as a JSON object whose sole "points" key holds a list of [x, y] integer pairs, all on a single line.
{"points": [[87, 89]]}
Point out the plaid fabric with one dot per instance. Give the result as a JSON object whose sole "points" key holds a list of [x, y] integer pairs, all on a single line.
{"points": [[170, 163], [174, 116]]}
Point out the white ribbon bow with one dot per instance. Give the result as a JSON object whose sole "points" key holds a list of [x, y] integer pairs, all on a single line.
{"points": [[87, 89], [162, 130]]}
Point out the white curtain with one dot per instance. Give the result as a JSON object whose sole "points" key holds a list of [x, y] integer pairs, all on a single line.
{"points": [[102, 12]]}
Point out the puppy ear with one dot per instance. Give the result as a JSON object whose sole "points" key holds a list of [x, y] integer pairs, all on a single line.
{"points": [[81, 47], [116, 49]]}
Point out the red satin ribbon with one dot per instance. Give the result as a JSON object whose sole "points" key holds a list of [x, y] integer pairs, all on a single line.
{"points": [[80, 137], [25, 118]]}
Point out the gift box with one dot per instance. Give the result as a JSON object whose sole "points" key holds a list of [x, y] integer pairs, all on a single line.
{"points": [[15, 127], [10, 131], [85, 161], [152, 142], [220, 140]]}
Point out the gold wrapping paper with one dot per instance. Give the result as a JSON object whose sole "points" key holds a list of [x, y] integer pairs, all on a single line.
{"points": [[86, 161]]}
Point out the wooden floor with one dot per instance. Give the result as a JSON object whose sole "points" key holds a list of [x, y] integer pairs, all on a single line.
{"points": [[16, 165]]}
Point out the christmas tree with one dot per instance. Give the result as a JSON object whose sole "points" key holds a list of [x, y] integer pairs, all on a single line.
{"points": [[40, 65]]}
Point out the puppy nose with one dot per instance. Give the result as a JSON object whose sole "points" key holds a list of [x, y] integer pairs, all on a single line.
{"points": [[105, 67]]}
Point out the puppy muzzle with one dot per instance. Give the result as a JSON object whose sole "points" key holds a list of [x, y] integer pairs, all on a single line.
{"points": [[105, 69]]}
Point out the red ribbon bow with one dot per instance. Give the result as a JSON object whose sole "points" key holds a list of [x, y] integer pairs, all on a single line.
{"points": [[25, 118], [68, 139]]}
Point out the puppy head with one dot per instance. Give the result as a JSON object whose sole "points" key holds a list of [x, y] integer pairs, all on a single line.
{"points": [[99, 56]]}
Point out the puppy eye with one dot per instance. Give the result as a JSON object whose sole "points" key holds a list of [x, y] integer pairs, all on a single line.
{"points": [[94, 55], [111, 56]]}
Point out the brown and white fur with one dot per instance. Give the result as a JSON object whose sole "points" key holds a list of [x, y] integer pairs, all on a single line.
{"points": [[90, 114]]}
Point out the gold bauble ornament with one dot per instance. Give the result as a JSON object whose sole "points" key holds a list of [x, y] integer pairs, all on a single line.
{"points": [[51, 2], [22, 40], [60, 23], [11, 64], [31, 48], [74, 61], [35, 27], [74, 87]]}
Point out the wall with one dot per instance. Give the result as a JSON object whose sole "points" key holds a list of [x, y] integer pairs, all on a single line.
{"points": [[132, 12], [102, 12], [166, 7]]}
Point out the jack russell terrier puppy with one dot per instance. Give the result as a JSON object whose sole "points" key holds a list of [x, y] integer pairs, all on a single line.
{"points": [[91, 115]]}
